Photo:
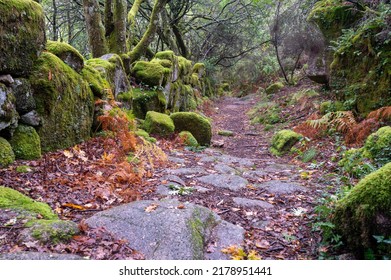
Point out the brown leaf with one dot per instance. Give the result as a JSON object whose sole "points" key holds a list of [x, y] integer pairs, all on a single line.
{"points": [[74, 206], [151, 208], [263, 244], [181, 206]]}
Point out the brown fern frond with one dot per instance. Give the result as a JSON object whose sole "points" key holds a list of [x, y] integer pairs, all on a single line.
{"points": [[310, 131], [382, 114], [361, 131]]}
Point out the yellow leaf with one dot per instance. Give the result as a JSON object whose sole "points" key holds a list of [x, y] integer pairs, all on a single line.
{"points": [[74, 206], [68, 154], [252, 255]]}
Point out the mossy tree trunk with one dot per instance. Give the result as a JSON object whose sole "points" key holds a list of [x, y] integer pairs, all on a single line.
{"points": [[132, 21], [95, 28], [115, 25], [166, 33], [108, 18], [147, 38]]}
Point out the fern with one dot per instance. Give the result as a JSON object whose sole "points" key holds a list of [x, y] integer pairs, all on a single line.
{"points": [[382, 114], [342, 121]]}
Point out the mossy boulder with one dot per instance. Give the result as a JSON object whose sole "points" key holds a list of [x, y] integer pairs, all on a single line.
{"points": [[158, 123], [378, 146], [40, 222], [112, 70], [147, 100], [196, 124], [188, 139], [8, 114], [12, 199], [7, 155], [366, 212], [66, 53], [99, 86], [22, 35], [151, 73], [26, 143], [64, 102], [283, 141], [273, 88]]}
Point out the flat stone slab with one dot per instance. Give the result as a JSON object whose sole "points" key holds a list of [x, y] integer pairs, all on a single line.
{"points": [[280, 187], [225, 169], [186, 171], [226, 181], [279, 168], [245, 202], [227, 160], [38, 256], [254, 174], [169, 229]]}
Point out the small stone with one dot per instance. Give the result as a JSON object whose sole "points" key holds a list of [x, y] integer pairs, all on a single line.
{"points": [[6, 79], [217, 143], [31, 118], [225, 133]]}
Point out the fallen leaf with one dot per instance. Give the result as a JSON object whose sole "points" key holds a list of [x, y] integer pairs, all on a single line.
{"points": [[151, 208], [181, 206], [68, 154], [235, 209], [263, 244], [74, 206]]}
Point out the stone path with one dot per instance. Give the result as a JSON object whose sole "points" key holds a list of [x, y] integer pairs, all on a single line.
{"points": [[205, 201]]}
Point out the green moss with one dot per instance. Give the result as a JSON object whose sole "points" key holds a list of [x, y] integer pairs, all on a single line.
{"points": [[98, 85], [151, 73], [273, 88], [66, 53], [22, 35], [225, 133], [307, 93], [199, 69], [7, 155], [366, 211], [196, 230], [158, 123], [283, 141], [142, 133], [167, 55], [26, 143], [53, 231], [185, 66], [330, 106], [147, 100], [64, 101], [23, 169], [188, 139], [196, 124], [12, 199], [378, 146], [125, 96]]}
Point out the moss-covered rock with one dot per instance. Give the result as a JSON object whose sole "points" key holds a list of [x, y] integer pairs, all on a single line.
{"points": [[142, 133], [23, 94], [112, 70], [188, 139], [26, 143], [196, 124], [283, 141], [22, 35], [50, 231], [330, 106], [158, 123], [12, 199], [147, 100], [273, 88], [65, 103], [7, 155], [66, 53], [8, 114], [378, 146], [366, 212], [151, 73], [99, 85]]}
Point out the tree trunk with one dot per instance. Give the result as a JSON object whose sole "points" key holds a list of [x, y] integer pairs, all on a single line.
{"points": [[166, 33], [108, 20], [132, 21], [54, 21], [95, 29], [147, 38], [117, 42]]}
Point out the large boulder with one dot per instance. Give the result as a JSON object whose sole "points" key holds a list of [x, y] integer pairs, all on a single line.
{"points": [[196, 124], [365, 213], [168, 230], [64, 102], [158, 123], [8, 114], [22, 35], [111, 68], [66, 53], [145, 100]]}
